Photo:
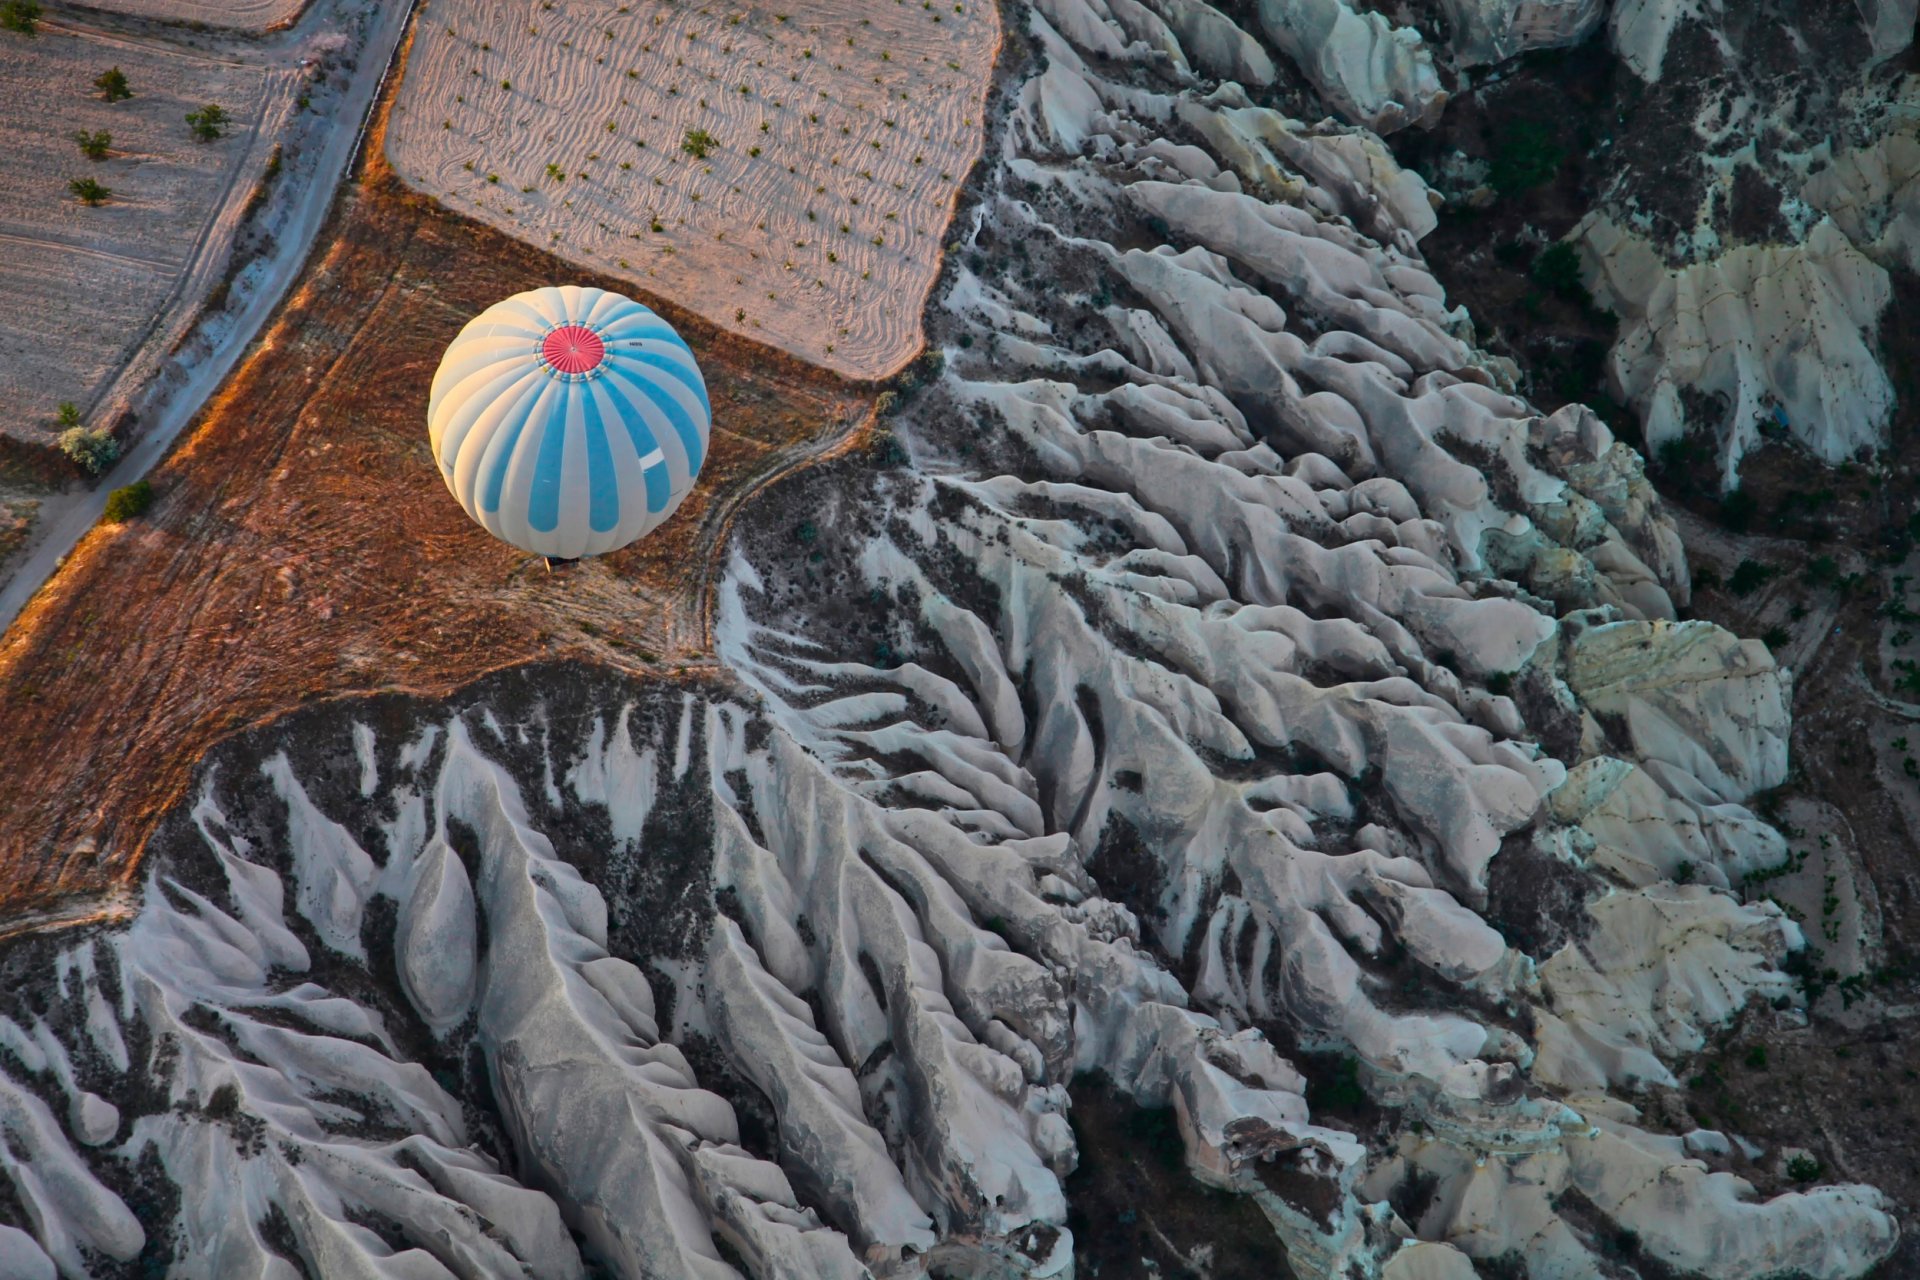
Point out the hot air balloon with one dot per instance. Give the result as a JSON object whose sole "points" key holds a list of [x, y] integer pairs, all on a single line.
{"points": [[567, 421]]}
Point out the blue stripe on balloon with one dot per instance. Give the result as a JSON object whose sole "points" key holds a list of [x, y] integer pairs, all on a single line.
{"points": [[643, 444], [676, 416], [543, 503], [679, 370], [603, 482], [657, 486], [504, 443]]}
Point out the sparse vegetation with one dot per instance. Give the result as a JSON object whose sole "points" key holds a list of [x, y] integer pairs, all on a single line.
{"points": [[22, 16], [94, 145], [1804, 1168], [92, 449], [112, 84], [88, 191], [128, 502], [209, 123], [698, 143], [1525, 157], [1749, 576], [1557, 270]]}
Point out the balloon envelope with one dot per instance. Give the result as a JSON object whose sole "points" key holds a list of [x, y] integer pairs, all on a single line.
{"points": [[567, 421]]}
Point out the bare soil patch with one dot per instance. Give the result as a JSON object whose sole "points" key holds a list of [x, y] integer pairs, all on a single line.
{"points": [[80, 286], [302, 546], [785, 174], [241, 15]]}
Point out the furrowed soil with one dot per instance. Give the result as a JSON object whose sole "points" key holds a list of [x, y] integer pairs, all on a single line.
{"points": [[302, 545], [789, 176], [80, 286]]}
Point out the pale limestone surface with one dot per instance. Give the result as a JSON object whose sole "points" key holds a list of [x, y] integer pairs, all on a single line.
{"points": [[1487, 31], [841, 132], [1871, 195], [1368, 70], [1782, 334]]}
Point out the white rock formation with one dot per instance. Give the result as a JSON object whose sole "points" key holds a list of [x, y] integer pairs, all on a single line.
{"points": [[1764, 333], [1640, 29], [1890, 24], [1212, 654], [1487, 31], [1871, 194], [1365, 68]]}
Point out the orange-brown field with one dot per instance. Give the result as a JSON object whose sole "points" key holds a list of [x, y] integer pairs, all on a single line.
{"points": [[303, 546]]}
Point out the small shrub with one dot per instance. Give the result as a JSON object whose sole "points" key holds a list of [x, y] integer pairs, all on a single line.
{"points": [[94, 451], [68, 414], [1557, 270], [1804, 1169], [555, 172], [1525, 157], [89, 192], [129, 503], [1340, 1090], [1757, 1057], [1776, 638], [1749, 576], [1737, 510], [93, 145], [22, 16], [209, 123], [698, 143], [112, 84]]}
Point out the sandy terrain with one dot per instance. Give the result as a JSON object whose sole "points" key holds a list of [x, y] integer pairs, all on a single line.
{"points": [[841, 131], [302, 545], [245, 15], [79, 286]]}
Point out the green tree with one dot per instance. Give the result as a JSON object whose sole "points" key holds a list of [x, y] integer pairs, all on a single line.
{"points": [[698, 143], [90, 192], [1525, 157], [95, 451], [1804, 1168], [112, 84], [93, 145], [20, 15], [69, 414], [126, 503], [209, 122], [1558, 269]]}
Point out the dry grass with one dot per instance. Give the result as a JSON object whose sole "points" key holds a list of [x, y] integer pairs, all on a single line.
{"points": [[303, 546], [841, 130], [79, 286]]}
